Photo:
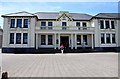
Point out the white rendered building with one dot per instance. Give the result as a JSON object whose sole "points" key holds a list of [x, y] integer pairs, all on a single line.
{"points": [[1, 35], [46, 31]]}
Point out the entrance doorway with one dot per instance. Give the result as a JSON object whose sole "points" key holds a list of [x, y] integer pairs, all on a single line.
{"points": [[65, 41]]}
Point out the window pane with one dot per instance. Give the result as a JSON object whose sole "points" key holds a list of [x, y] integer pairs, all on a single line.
{"points": [[64, 24], [19, 23], [107, 38], [18, 38], [107, 24], [78, 39], [12, 24], [101, 24], [11, 38], [43, 40], [85, 39], [50, 40], [43, 23], [113, 38], [77, 23], [50, 24], [25, 23], [112, 25], [102, 38], [25, 38]]}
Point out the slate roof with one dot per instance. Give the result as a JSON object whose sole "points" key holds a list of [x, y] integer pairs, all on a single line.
{"points": [[107, 15], [51, 15], [55, 15], [23, 13]]}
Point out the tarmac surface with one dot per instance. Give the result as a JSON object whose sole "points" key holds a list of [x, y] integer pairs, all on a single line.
{"points": [[61, 65]]}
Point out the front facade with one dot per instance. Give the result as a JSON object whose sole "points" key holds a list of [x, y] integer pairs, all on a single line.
{"points": [[45, 31]]}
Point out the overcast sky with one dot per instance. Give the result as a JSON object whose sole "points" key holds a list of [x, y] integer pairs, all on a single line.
{"points": [[92, 8]]}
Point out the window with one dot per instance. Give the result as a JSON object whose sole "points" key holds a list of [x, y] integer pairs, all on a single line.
{"points": [[78, 39], [11, 38], [19, 23], [77, 23], [107, 24], [107, 38], [25, 23], [43, 23], [43, 40], [102, 38], [113, 38], [25, 38], [18, 38], [50, 40], [12, 24], [50, 24], [64, 24], [101, 24], [84, 24], [112, 25], [85, 39]]}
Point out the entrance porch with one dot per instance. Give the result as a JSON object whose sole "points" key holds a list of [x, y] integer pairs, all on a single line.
{"points": [[69, 40]]}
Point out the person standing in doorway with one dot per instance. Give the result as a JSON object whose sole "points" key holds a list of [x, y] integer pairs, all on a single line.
{"points": [[62, 48]]}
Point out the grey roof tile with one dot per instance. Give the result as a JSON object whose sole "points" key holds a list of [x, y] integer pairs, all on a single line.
{"points": [[53, 15], [107, 15]]}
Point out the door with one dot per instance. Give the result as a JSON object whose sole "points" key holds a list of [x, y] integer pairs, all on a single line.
{"points": [[65, 41]]}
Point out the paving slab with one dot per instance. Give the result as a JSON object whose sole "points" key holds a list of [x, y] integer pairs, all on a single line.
{"points": [[61, 65]]}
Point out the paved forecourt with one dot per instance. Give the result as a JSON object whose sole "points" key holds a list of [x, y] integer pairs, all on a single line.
{"points": [[61, 65]]}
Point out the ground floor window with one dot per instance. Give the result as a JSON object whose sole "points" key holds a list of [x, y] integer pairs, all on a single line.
{"points": [[50, 40], [110, 38], [18, 38], [102, 38], [85, 39], [78, 39], [11, 38], [43, 42], [107, 38], [113, 38], [25, 38]]}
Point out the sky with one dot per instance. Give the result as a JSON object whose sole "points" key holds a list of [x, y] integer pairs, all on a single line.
{"points": [[92, 8]]}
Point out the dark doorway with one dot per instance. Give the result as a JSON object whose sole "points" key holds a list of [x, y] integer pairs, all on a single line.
{"points": [[65, 41]]}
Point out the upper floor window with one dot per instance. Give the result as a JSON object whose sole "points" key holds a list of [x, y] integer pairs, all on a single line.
{"points": [[50, 24], [18, 38], [11, 38], [101, 24], [43, 23], [112, 25], [25, 23], [12, 23], [84, 24], [64, 23], [19, 23], [107, 24], [25, 38], [77, 23]]}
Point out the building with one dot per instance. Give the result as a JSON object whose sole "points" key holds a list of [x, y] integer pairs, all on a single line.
{"points": [[1, 35], [46, 31]]}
